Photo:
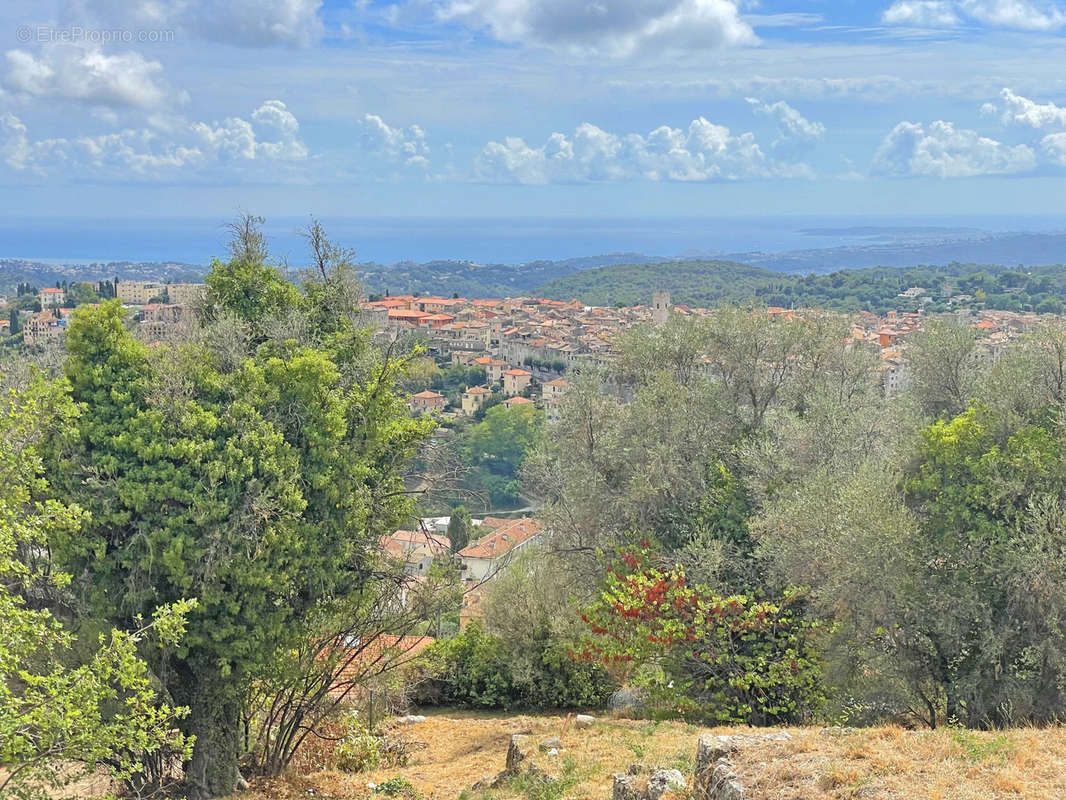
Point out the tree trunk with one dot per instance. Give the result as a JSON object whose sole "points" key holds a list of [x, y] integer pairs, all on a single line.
{"points": [[215, 720]]}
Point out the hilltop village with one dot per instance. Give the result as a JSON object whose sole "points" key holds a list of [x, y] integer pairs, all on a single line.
{"points": [[526, 344]]}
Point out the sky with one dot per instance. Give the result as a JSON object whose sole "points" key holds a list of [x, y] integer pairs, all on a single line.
{"points": [[511, 108]]}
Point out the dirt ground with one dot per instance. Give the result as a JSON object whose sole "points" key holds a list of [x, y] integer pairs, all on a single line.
{"points": [[815, 764]]}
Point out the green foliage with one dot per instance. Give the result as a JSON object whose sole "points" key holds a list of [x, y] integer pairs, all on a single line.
{"points": [[473, 669], [459, 527], [714, 283], [81, 293], [987, 747], [254, 468], [726, 659], [398, 787], [494, 449], [359, 749], [61, 718]]}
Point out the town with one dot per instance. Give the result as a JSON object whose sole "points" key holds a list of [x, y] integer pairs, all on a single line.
{"points": [[524, 345]]}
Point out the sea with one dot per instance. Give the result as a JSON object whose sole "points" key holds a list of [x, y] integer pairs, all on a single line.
{"points": [[486, 240]]}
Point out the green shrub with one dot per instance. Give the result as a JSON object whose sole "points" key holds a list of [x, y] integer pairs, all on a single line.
{"points": [[359, 750], [473, 669]]}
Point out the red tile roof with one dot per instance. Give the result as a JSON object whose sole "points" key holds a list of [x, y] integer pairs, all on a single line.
{"points": [[502, 539]]}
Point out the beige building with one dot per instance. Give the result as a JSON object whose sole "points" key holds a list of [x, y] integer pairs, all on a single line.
{"points": [[552, 394], [186, 294], [43, 328], [515, 381], [494, 367], [139, 293], [52, 297], [418, 549], [475, 398]]}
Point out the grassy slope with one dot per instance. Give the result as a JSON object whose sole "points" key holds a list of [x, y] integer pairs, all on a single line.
{"points": [[883, 762]]}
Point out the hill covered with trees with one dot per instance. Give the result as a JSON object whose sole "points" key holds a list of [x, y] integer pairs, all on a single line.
{"points": [[712, 283]]}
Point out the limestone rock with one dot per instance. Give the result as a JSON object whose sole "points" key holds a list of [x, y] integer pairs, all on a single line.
{"points": [[663, 780], [584, 720], [411, 719], [724, 784], [551, 743], [628, 787], [519, 754]]}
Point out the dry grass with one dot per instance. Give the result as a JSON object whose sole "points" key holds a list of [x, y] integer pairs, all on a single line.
{"points": [[882, 763]]}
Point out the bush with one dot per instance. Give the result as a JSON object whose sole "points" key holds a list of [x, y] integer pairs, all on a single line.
{"points": [[473, 669], [358, 751], [722, 659]]}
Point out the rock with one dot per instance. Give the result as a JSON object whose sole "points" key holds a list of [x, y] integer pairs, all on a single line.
{"points": [[663, 780], [837, 730], [709, 749], [521, 760], [635, 769], [487, 782], [713, 776], [553, 752], [411, 719], [551, 743], [584, 720], [779, 736], [723, 784], [627, 701], [242, 784], [628, 787], [519, 754]]}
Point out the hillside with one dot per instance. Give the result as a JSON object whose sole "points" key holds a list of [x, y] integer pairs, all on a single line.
{"points": [[470, 279], [460, 748], [711, 283], [14, 271]]}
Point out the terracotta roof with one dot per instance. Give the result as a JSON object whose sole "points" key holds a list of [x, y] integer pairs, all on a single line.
{"points": [[50, 290], [478, 390], [557, 382], [402, 542], [517, 401], [427, 395], [502, 539], [517, 372]]}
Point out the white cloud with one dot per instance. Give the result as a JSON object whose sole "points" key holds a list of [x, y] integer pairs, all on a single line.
{"points": [[921, 13], [1020, 14], [792, 126], [1018, 110], [87, 74], [1054, 148], [703, 152], [1038, 16], [149, 153], [406, 146], [246, 23], [941, 150], [616, 27]]}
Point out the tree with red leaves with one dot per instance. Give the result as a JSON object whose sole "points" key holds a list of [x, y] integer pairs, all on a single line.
{"points": [[710, 657]]}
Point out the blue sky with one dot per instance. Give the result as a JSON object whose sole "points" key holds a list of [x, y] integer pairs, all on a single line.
{"points": [[532, 107]]}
